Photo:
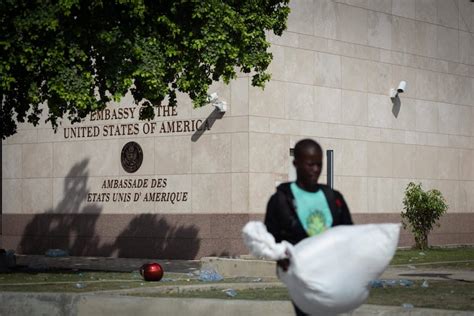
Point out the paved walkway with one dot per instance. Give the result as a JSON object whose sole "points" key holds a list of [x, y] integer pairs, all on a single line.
{"points": [[104, 263], [418, 271], [105, 303], [422, 272]]}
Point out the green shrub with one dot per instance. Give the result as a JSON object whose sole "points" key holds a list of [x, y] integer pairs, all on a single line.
{"points": [[422, 211]]}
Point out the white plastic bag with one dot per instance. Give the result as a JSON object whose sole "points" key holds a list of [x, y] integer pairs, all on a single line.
{"points": [[261, 243], [329, 273]]}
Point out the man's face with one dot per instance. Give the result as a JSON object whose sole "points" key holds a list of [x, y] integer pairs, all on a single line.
{"points": [[308, 167]]}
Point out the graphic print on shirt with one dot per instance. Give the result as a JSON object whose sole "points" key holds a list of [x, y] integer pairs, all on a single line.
{"points": [[316, 223], [312, 209]]}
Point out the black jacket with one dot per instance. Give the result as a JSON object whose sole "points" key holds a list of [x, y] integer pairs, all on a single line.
{"points": [[281, 218]]}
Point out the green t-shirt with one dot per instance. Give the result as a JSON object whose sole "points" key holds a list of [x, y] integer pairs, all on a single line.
{"points": [[312, 209]]}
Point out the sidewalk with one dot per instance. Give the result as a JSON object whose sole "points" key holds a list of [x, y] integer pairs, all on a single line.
{"points": [[104, 305], [225, 266], [104, 263], [113, 302]]}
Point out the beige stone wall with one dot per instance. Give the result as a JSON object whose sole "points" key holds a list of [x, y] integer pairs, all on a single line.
{"points": [[331, 75], [47, 172], [332, 72]]}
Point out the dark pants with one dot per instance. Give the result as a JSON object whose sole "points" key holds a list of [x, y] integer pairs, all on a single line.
{"points": [[284, 265], [298, 311]]}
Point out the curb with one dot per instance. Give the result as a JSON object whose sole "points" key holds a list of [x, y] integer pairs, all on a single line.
{"points": [[240, 267], [193, 288], [32, 304]]}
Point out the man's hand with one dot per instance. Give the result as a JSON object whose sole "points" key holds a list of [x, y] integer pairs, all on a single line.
{"points": [[284, 264]]}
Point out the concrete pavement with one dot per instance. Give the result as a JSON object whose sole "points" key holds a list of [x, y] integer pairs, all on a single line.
{"points": [[115, 303], [227, 267], [50, 304], [103, 263], [253, 267]]}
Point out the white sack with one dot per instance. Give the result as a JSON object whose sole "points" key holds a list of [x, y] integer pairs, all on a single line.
{"points": [[262, 244], [329, 273]]}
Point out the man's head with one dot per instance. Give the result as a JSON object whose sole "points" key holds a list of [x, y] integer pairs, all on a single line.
{"points": [[308, 163]]}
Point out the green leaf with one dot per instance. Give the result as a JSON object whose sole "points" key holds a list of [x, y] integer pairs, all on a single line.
{"points": [[422, 210], [76, 56]]}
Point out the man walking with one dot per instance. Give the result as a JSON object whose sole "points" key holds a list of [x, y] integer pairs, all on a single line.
{"points": [[305, 208]]}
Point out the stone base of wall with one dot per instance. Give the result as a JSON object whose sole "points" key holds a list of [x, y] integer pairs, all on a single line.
{"points": [[170, 236], [455, 229]]}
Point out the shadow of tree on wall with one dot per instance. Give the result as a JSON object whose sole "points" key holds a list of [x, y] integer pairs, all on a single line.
{"points": [[157, 238], [80, 227], [65, 230], [220, 254]]}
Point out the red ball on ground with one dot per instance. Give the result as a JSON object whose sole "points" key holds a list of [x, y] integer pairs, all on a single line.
{"points": [[152, 271]]}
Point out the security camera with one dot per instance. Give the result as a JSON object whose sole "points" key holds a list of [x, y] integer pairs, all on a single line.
{"points": [[211, 98], [221, 106], [402, 86]]}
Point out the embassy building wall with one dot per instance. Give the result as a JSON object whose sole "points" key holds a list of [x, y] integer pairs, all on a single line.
{"points": [[184, 184]]}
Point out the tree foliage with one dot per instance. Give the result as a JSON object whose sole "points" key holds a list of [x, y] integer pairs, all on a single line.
{"points": [[76, 56], [423, 209]]}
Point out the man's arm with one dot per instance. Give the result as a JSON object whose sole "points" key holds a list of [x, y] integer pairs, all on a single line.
{"points": [[271, 218], [273, 227]]}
